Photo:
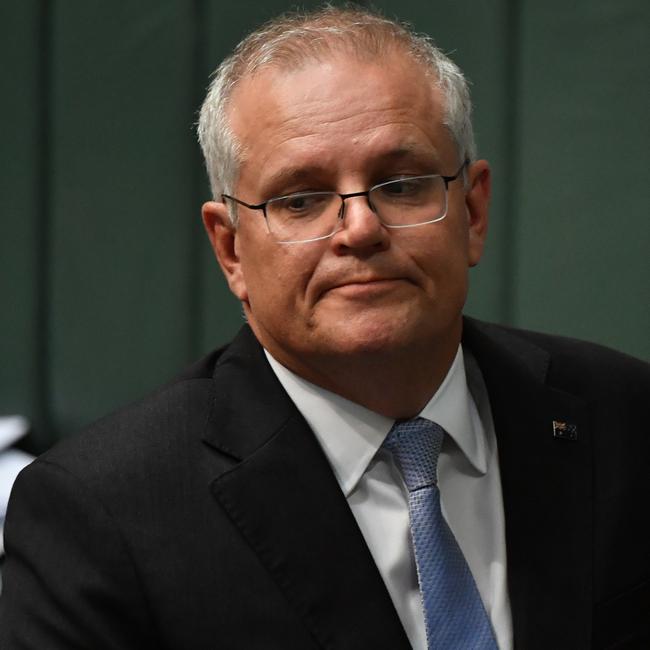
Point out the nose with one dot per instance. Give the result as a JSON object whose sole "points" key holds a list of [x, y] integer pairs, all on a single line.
{"points": [[361, 229]]}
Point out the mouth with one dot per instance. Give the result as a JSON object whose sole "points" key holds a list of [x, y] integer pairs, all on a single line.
{"points": [[363, 288]]}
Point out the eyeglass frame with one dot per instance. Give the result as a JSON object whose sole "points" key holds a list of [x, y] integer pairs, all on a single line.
{"points": [[343, 197]]}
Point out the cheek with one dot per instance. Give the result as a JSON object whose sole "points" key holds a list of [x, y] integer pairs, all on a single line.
{"points": [[456, 240], [276, 280], [440, 252]]}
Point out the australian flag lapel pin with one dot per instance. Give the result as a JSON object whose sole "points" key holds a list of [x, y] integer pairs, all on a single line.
{"points": [[564, 430]]}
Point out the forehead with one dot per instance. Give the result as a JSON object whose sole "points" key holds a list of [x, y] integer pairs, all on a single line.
{"points": [[336, 112]]}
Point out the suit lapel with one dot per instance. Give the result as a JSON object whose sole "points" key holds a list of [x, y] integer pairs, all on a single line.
{"points": [[547, 492], [285, 501]]}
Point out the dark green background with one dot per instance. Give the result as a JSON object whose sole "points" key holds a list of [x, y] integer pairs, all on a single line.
{"points": [[107, 283]]}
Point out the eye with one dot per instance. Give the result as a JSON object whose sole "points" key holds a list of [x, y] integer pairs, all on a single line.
{"points": [[307, 204], [299, 202], [403, 187]]}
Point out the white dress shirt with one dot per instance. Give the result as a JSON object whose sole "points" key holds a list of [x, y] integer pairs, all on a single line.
{"points": [[468, 477]]}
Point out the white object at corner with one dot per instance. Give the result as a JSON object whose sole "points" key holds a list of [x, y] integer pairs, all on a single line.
{"points": [[12, 429]]}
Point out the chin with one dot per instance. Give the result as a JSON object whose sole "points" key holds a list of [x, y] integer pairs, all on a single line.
{"points": [[364, 336]]}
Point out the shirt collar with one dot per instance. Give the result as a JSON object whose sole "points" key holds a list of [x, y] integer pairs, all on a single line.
{"points": [[454, 409], [351, 434]]}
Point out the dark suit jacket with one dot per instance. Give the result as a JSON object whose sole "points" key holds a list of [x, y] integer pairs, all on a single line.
{"points": [[207, 516]]}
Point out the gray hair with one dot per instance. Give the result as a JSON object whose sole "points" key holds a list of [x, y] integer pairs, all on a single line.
{"points": [[292, 39]]}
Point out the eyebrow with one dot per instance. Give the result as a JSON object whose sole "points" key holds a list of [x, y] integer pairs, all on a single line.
{"points": [[288, 176], [411, 150]]}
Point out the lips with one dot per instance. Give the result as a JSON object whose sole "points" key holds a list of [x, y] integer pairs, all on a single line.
{"points": [[363, 286], [359, 276], [364, 281]]}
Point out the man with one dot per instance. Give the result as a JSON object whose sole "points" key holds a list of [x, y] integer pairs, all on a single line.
{"points": [[265, 499]]}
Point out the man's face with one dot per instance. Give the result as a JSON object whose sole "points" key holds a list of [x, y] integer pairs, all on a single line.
{"points": [[345, 125]]}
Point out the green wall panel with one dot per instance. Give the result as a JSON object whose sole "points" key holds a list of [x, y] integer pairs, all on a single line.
{"points": [[23, 207], [122, 193], [583, 233]]}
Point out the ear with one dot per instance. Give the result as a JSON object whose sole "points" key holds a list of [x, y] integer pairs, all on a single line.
{"points": [[477, 200], [224, 239]]}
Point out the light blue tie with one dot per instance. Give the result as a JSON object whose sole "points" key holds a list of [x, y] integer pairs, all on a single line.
{"points": [[454, 614]]}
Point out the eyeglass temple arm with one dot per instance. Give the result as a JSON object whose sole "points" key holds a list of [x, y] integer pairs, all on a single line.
{"points": [[259, 206], [449, 179]]}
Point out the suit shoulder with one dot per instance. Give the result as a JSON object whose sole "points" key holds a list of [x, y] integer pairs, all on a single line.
{"points": [[576, 365], [580, 357], [167, 422]]}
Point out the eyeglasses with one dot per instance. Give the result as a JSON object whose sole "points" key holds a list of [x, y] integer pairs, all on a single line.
{"points": [[401, 203]]}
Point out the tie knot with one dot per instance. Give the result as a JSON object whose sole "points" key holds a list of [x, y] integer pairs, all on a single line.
{"points": [[415, 445]]}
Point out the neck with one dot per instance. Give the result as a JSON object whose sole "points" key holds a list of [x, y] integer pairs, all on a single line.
{"points": [[396, 384]]}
